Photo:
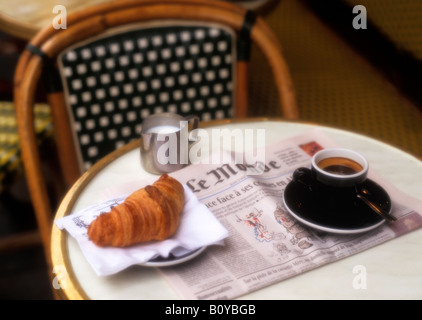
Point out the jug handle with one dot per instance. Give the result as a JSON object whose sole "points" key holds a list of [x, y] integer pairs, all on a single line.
{"points": [[193, 123]]}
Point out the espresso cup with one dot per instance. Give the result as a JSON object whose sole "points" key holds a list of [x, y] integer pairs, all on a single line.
{"points": [[334, 175], [165, 142], [338, 167]]}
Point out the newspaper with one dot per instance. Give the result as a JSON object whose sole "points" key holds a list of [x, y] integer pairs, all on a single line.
{"points": [[266, 244]]}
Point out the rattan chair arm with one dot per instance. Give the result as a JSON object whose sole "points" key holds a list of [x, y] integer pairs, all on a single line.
{"points": [[24, 102]]}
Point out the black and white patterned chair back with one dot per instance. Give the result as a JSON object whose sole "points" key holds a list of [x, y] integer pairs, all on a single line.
{"points": [[112, 82]]}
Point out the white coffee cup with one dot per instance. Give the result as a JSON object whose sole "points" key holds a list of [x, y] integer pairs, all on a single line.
{"points": [[339, 167]]}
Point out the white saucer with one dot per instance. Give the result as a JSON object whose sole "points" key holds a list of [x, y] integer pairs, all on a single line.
{"points": [[171, 260]]}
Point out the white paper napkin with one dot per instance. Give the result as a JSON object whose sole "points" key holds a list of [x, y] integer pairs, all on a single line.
{"points": [[198, 228]]}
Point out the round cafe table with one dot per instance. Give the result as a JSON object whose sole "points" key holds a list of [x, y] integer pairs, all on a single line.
{"points": [[394, 268]]}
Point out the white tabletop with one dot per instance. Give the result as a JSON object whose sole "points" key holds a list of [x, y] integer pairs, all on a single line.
{"points": [[393, 269]]}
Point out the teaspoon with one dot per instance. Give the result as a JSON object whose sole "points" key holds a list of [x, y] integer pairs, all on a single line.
{"points": [[377, 209]]}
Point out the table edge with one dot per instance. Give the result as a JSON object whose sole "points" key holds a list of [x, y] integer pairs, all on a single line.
{"points": [[72, 289]]}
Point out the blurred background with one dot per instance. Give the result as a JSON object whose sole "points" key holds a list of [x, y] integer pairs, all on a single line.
{"points": [[364, 80]]}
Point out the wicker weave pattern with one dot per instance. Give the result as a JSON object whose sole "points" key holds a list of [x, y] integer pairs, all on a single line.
{"points": [[335, 86], [10, 156], [400, 20]]}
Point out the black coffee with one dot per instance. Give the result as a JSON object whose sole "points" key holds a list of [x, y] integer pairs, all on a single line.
{"points": [[339, 165]]}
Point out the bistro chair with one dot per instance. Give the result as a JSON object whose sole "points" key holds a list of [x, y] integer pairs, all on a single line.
{"points": [[119, 62]]}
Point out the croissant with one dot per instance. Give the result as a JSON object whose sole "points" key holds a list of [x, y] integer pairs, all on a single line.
{"points": [[150, 213]]}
